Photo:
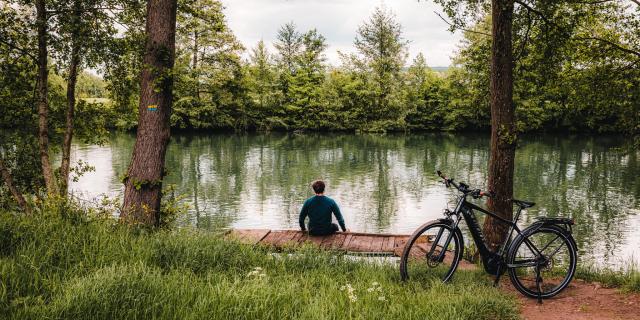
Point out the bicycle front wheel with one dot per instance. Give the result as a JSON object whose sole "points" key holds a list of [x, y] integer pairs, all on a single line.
{"points": [[433, 252], [543, 262]]}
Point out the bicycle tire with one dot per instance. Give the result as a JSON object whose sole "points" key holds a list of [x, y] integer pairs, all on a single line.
{"points": [[409, 259], [568, 259]]}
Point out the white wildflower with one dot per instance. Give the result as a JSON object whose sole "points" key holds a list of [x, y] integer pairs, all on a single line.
{"points": [[382, 298], [370, 289], [375, 284], [342, 288], [257, 272]]}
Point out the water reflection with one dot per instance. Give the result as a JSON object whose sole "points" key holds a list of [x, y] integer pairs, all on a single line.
{"points": [[387, 183]]}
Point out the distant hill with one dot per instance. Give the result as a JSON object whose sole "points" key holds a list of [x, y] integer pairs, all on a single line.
{"points": [[440, 69]]}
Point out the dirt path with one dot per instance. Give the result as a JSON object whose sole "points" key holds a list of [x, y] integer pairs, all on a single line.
{"points": [[581, 300]]}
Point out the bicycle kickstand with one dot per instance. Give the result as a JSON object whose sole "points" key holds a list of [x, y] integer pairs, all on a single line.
{"points": [[538, 280], [496, 282]]}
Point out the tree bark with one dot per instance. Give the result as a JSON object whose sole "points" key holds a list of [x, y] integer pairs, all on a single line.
{"points": [[143, 181], [17, 195], [43, 103], [503, 131], [195, 63], [71, 104]]}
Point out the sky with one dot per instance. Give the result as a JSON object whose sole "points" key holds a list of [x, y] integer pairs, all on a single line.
{"points": [[338, 20]]}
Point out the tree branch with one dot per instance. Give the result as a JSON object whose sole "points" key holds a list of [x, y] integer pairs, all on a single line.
{"points": [[611, 43], [537, 12], [548, 21], [466, 30], [526, 37], [21, 50], [8, 181]]}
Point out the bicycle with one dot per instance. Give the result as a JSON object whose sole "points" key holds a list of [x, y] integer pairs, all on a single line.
{"points": [[436, 247]]}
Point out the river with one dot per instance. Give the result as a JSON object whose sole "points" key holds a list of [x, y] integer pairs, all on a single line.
{"points": [[387, 183]]}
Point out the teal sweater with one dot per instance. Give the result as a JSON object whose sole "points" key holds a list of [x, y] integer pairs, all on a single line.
{"points": [[319, 209]]}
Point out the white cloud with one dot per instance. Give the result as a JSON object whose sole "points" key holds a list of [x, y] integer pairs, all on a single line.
{"points": [[338, 20]]}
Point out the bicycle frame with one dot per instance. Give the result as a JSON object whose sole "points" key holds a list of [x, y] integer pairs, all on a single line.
{"points": [[491, 259]]}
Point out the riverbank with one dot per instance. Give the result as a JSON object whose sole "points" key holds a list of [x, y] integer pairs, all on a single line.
{"points": [[81, 267]]}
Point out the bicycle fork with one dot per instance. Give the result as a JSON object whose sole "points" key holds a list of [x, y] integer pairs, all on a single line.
{"points": [[435, 244]]}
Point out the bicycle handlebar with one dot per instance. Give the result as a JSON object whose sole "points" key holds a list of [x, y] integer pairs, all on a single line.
{"points": [[476, 193]]}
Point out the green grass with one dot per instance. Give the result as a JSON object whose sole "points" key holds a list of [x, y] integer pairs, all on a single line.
{"points": [[627, 279], [81, 268]]}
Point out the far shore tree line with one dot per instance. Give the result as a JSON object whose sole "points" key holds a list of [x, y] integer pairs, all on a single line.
{"points": [[522, 66]]}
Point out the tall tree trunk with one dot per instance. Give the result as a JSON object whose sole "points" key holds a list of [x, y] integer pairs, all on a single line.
{"points": [[503, 131], [43, 104], [8, 181], [71, 105], [195, 63], [143, 182]]}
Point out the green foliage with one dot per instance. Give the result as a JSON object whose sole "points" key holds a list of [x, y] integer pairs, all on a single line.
{"points": [[576, 64], [564, 78], [209, 91], [91, 86], [425, 94], [59, 268], [576, 69]]}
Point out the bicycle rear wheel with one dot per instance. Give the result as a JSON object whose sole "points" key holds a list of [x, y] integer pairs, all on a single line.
{"points": [[548, 254], [433, 252]]}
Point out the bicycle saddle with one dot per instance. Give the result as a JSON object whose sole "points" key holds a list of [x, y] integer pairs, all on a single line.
{"points": [[523, 204]]}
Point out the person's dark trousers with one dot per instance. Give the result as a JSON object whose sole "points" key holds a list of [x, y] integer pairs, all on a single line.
{"points": [[324, 231]]}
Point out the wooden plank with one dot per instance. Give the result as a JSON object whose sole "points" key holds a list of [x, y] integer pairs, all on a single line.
{"points": [[338, 240], [352, 233], [303, 238], [364, 243], [326, 242], [334, 241], [419, 250], [376, 234], [347, 242], [278, 241], [317, 240], [387, 246], [273, 236], [399, 245], [355, 240], [252, 236], [376, 244], [256, 236], [286, 238], [358, 243], [297, 239]]}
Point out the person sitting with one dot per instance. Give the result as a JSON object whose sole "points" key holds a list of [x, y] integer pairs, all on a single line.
{"points": [[319, 209]]}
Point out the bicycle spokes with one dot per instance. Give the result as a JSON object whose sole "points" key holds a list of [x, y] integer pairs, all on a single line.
{"points": [[432, 253], [543, 263]]}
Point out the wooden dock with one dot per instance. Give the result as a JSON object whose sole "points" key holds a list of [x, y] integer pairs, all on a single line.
{"points": [[372, 243]]}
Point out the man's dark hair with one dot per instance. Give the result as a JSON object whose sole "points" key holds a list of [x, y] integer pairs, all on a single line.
{"points": [[318, 186]]}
